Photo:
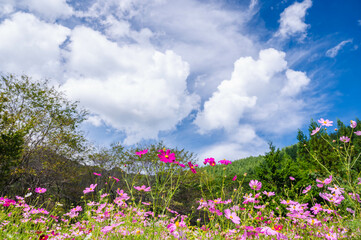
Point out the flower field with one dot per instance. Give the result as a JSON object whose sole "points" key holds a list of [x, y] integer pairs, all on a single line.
{"points": [[143, 211]]}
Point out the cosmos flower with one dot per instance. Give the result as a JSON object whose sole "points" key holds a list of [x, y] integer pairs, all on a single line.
{"points": [[353, 124], [40, 190], [256, 185], [344, 139], [232, 216], [315, 131], [140, 153], [142, 188], [166, 156], [326, 122], [90, 189], [234, 178], [191, 166], [224, 162]]}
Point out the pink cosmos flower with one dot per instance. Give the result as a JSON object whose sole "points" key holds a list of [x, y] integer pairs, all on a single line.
{"points": [[142, 188], [234, 178], [326, 181], [232, 216], [140, 153], [326, 122], [97, 174], [225, 162], [315, 131], [191, 166], [269, 194], [336, 190], [90, 189], [256, 185], [307, 189], [317, 208], [40, 190], [292, 178], [344, 139], [358, 133], [116, 179], [166, 156], [210, 161], [353, 124]]}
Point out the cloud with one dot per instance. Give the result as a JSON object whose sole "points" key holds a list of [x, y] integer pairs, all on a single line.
{"points": [[296, 81], [359, 22], [29, 45], [334, 51], [263, 95], [134, 89], [235, 96], [208, 35], [292, 20]]}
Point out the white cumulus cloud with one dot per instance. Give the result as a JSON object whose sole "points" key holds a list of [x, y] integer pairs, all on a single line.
{"points": [[31, 46], [292, 19], [137, 90]]}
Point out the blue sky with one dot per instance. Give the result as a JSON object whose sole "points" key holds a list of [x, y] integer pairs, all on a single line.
{"points": [[218, 78]]}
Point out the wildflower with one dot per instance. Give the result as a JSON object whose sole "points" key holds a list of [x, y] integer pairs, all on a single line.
{"points": [[313, 221], [292, 178], [307, 189], [326, 181], [350, 210], [210, 161], [166, 156], [142, 188], [326, 122], [269, 194], [140, 153], [336, 190], [353, 124], [232, 216], [359, 179], [40, 190], [43, 237], [358, 133], [344, 139], [224, 162], [28, 194], [315, 131], [192, 167], [116, 179], [90, 189], [234, 178], [97, 174], [256, 185], [316, 209]]}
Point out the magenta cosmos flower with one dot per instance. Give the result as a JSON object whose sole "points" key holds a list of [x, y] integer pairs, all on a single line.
{"points": [[140, 153], [40, 190], [344, 139], [166, 156], [224, 162], [256, 185], [97, 174], [234, 178], [210, 161], [191, 166], [142, 188], [326, 122], [232, 216], [90, 189]]}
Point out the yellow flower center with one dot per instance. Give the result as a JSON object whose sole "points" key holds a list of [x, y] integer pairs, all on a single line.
{"points": [[166, 156], [231, 217]]}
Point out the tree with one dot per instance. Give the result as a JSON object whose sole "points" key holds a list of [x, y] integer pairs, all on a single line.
{"points": [[37, 119]]}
